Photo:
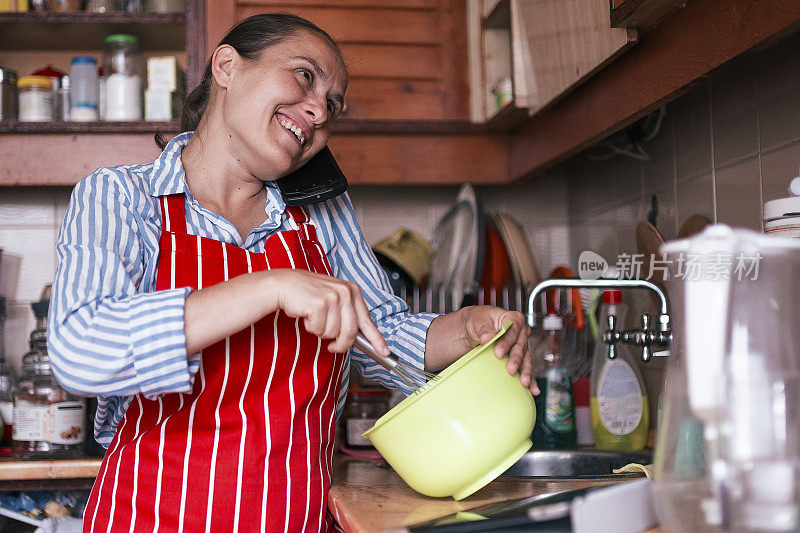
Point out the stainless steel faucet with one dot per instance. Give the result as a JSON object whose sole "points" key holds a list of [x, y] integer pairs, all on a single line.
{"points": [[644, 337]]}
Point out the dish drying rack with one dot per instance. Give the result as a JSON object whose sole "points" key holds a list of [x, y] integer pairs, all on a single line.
{"points": [[578, 344], [443, 300]]}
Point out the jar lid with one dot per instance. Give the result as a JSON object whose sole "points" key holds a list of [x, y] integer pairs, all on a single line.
{"points": [[35, 81], [122, 38], [49, 71], [9, 76], [84, 60], [782, 207]]}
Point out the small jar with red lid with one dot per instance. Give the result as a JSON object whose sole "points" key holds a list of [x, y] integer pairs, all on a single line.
{"points": [[363, 407]]}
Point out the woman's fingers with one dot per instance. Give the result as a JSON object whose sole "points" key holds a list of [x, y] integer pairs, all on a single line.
{"points": [[367, 326]]}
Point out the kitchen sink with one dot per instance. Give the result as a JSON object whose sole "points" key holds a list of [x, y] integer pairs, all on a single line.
{"points": [[574, 463]]}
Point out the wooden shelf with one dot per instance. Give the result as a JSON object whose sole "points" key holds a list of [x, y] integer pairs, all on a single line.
{"points": [[86, 31], [54, 469], [508, 118], [114, 17], [89, 127], [500, 16], [344, 126]]}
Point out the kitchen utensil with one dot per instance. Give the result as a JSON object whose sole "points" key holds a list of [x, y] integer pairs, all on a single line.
{"points": [[648, 242], [411, 376], [693, 225], [454, 436], [728, 444]]}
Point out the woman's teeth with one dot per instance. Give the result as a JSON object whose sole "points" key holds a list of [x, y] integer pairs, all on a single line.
{"points": [[294, 129]]}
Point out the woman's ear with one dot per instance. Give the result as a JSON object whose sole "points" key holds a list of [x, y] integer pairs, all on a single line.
{"points": [[223, 61]]}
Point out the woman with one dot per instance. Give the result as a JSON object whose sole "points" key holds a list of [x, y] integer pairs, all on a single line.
{"points": [[213, 322]]}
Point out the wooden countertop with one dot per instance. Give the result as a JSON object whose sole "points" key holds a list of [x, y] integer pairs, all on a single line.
{"points": [[368, 496]]}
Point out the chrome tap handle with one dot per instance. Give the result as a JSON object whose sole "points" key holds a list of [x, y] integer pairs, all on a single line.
{"points": [[645, 323], [611, 337], [647, 354]]}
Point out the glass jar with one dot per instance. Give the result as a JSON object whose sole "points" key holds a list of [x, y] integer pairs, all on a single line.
{"points": [[122, 68], [363, 407], [49, 422], [35, 98]]}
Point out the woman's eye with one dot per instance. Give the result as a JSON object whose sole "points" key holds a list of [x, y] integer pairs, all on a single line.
{"points": [[309, 77]]}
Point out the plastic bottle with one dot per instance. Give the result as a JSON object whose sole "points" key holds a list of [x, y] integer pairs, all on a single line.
{"points": [[620, 409], [83, 94], [555, 409]]}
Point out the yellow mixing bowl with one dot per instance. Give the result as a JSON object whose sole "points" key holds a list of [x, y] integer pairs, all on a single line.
{"points": [[459, 432]]}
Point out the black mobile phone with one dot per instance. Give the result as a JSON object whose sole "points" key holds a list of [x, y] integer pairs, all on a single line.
{"points": [[316, 181]]}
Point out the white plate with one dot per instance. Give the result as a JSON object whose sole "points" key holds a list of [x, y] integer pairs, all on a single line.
{"points": [[457, 241]]}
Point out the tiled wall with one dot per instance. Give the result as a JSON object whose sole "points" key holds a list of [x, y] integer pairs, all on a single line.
{"points": [[724, 148]]}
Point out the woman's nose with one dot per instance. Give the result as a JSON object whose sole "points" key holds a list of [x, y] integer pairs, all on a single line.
{"points": [[317, 110]]}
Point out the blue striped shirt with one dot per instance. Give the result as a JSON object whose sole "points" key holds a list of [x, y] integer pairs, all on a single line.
{"points": [[113, 336]]}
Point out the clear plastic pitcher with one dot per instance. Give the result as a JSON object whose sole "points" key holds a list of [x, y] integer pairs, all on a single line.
{"points": [[728, 446]]}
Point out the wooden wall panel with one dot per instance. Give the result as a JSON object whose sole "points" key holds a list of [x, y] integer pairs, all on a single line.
{"points": [[413, 100], [363, 25], [388, 45]]}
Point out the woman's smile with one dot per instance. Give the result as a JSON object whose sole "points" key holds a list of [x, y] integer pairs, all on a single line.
{"points": [[299, 131]]}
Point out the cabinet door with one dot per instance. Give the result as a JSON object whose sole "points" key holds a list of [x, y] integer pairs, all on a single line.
{"points": [[556, 44], [407, 59]]}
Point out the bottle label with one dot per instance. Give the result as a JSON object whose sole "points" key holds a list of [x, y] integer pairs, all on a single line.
{"points": [[57, 423], [619, 398], [357, 426], [559, 410], [7, 412]]}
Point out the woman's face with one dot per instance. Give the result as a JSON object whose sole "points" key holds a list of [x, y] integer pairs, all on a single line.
{"points": [[278, 109]]}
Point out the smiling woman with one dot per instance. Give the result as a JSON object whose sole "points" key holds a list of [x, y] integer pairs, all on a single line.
{"points": [[215, 323]]}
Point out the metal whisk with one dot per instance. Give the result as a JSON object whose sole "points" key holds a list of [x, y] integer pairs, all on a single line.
{"points": [[411, 376]]}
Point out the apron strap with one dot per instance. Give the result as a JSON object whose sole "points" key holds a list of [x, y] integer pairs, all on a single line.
{"points": [[173, 214]]}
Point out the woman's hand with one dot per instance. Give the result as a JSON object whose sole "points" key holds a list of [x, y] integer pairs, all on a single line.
{"points": [[451, 336], [330, 308]]}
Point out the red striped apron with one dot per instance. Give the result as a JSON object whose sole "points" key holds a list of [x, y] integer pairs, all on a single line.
{"points": [[250, 448]]}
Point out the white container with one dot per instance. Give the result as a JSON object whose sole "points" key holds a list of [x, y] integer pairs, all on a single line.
{"points": [[782, 217], [83, 89]]}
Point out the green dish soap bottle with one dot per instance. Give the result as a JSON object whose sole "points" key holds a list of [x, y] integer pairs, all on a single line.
{"points": [[619, 406], [555, 408]]}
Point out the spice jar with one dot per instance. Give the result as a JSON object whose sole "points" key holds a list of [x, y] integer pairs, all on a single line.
{"points": [[122, 67], [49, 422], [362, 408], [35, 98]]}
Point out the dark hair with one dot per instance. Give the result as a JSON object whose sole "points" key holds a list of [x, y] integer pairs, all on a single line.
{"points": [[249, 38]]}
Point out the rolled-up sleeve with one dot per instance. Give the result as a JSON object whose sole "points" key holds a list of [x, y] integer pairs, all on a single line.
{"points": [[105, 336], [352, 259]]}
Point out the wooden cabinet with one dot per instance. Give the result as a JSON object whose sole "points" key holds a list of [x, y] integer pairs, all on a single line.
{"points": [[544, 48], [641, 13]]}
